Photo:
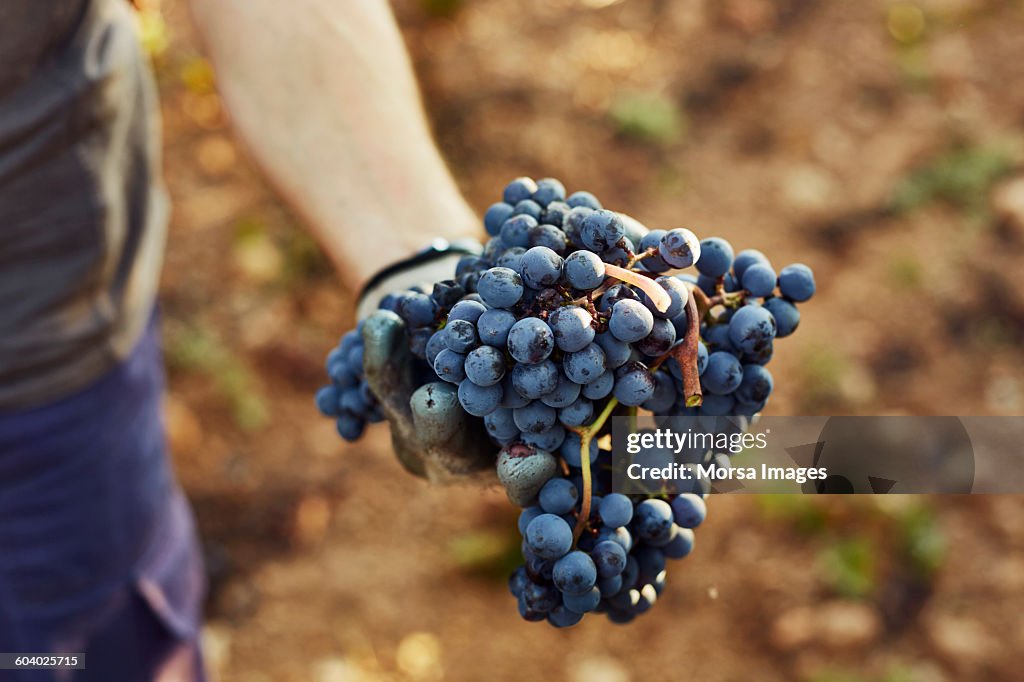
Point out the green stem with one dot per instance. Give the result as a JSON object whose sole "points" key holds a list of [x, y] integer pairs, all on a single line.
{"points": [[587, 434]]}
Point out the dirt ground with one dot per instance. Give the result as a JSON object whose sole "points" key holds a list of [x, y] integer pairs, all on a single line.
{"points": [[880, 142]]}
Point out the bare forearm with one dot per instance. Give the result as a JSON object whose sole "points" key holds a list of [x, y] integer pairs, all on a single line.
{"points": [[323, 94]]}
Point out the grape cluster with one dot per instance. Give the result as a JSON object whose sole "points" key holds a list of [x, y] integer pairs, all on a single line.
{"points": [[569, 315], [348, 398]]}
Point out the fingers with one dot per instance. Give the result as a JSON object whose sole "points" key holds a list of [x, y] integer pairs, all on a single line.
{"points": [[386, 361], [436, 413], [454, 445]]}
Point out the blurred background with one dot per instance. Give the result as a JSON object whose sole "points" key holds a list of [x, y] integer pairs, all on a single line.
{"points": [[880, 142]]}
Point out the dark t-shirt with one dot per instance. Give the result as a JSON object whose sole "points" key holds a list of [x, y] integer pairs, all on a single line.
{"points": [[82, 210]]}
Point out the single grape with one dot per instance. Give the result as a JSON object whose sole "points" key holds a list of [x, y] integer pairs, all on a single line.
{"points": [[723, 373], [634, 384], [716, 256], [584, 270], [548, 536], [585, 199], [549, 236], [518, 190], [751, 327], [535, 381], [501, 425], [327, 401], [350, 427], [493, 327], [796, 282], [500, 287], [602, 230], [478, 400], [549, 440], [578, 413], [702, 359], [528, 207], [530, 340], [661, 338], [460, 336], [417, 309], [575, 573], [540, 267], [616, 510], [516, 230], [485, 366], [572, 327], [679, 248], [558, 496], [466, 310], [787, 317], [450, 366], [586, 365], [535, 417], [609, 558], [630, 321], [496, 215], [548, 190], [759, 280], [756, 386], [689, 510]]}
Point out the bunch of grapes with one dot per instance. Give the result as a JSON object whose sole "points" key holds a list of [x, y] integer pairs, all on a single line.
{"points": [[348, 398], [568, 316]]}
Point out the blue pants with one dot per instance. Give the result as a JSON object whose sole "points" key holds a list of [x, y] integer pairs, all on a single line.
{"points": [[98, 551]]}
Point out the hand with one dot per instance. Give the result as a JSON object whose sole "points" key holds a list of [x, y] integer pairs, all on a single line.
{"points": [[432, 435]]}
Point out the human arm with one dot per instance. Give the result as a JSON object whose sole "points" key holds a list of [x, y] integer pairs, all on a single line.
{"points": [[323, 95]]}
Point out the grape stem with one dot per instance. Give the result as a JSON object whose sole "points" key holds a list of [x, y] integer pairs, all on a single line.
{"points": [[706, 303], [587, 434], [659, 297], [640, 256], [686, 353]]}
